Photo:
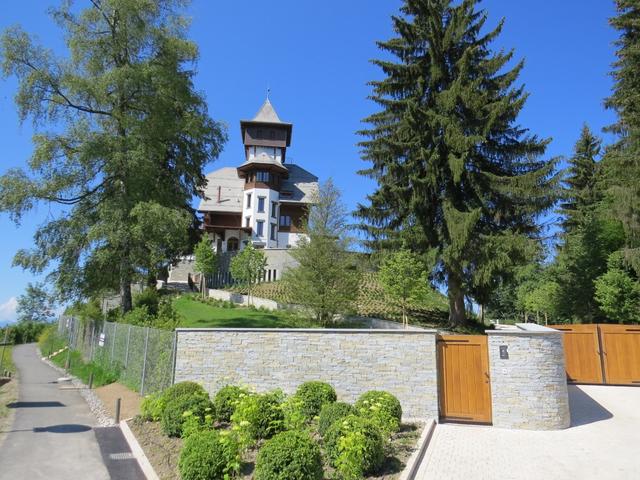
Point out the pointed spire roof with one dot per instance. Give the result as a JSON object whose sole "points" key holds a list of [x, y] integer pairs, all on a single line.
{"points": [[267, 114]]}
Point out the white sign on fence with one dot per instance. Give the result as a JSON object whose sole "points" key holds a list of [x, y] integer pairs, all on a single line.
{"points": [[101, 340]]}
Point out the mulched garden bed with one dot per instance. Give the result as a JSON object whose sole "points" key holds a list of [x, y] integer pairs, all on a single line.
{"points": [[163, 452]]}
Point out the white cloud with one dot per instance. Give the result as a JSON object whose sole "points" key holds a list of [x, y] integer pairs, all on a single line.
{"points": [[8, 310]]}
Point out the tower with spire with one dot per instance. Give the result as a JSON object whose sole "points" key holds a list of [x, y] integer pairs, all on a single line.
{"points": [[264, 200]]}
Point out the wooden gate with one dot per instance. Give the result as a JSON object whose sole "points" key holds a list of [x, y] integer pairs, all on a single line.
{"points": [[582, 353], [621, 353], [602, 353], [465, 389]]}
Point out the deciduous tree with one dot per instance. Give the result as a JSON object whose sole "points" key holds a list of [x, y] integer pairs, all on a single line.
{"points": [[404, 278], [36, 304], [122, 139], [247, 267], [326, 279], [206, 262]]}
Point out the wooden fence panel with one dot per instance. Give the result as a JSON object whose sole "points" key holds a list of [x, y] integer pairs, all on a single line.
{"points": [[582, 353], [621, 353]]}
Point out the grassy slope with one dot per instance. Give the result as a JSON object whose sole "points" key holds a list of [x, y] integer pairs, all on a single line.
{"points": [[372, 301], [197, 314], [7, 362]]}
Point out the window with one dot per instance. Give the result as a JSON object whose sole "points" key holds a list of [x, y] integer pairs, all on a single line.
{"points": [[274, 231], [285, 220], [248, 200], [272, 133], [262, 177], [261, 204], [260, 228], [274, 209], [232, 244], [247, 221]]}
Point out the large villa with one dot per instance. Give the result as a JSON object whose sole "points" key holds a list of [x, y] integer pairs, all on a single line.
{"points": [[264, 200]]}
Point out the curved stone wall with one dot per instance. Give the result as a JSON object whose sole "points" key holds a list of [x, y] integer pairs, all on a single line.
{"points": [[529, 386]]}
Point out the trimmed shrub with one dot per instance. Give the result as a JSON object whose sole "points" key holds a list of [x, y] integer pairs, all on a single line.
{"points": [[226, 400], [152, 407], [291, 455], [173, 416], [331, 413], [259, 415], [355, 446], [181, 389], [381, 407], [209, 455], [314, 395]]}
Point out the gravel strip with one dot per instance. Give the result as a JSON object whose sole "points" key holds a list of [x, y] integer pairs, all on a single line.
{"points": [[95, 404]]}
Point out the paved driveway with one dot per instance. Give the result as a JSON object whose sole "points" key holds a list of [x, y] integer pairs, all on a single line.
{"points": [[602, 443], [53, 435]]}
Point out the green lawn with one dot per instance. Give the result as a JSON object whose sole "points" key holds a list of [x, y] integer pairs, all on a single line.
{"points": [[194, 313]]}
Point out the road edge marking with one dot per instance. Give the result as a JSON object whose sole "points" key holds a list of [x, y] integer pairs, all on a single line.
{"points": [[138, 452]]}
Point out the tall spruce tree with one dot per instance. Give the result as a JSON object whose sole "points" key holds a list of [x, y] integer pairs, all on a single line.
{"points": [[581, 194], [447, 153], [622, 161], [125, 140]]}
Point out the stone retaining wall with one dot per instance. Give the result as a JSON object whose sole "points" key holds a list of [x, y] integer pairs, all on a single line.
{"points": [[402, 362], [529, 387], [241, 299]]}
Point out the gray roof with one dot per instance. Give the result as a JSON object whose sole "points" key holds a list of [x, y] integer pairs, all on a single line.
{"points": [[267, 114], [231, 191], [302, 185], [264, 159]]}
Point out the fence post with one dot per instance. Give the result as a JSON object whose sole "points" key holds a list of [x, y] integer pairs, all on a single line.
{"points": [[113, 345], [126, 355], [144, 361], [92, 341], [173, 358]]}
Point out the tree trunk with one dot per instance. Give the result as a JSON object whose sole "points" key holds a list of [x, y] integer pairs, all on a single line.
{"points": [[457, 314], [125, 294]]}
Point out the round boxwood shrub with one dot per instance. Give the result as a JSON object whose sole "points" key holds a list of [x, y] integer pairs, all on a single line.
{"points": [[226, 400], [207, 456], [259, 415], [381, 407], [182, 388], [313, 396], [332, 412], [355, 446], [291, 455], [173, 415]]}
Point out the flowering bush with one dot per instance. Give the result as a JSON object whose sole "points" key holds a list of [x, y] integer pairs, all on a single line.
{"points": [[355, 447], [382, 408]]}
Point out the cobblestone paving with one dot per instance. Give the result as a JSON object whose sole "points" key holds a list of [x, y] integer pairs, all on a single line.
{"points": [[602, 443]]}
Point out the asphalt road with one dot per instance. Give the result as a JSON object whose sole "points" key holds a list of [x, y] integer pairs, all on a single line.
{"points": [[54, 435]]}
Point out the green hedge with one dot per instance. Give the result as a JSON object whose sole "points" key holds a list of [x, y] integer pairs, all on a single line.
{"points": [[291, 455]]}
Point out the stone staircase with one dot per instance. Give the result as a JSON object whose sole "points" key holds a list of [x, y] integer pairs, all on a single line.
{"points": [[179, 273]]}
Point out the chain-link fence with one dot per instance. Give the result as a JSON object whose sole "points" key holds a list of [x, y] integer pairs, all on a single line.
{"points": [[142, 356]]}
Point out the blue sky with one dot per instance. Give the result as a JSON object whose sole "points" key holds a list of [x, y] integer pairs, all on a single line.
{"points": [[315, 58]]}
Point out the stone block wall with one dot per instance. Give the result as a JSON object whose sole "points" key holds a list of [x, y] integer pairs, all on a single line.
{"points": [[529, 388], [402, 362]]}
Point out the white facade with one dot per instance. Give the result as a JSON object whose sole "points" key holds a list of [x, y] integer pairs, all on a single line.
{"points": [[260, 212]]}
